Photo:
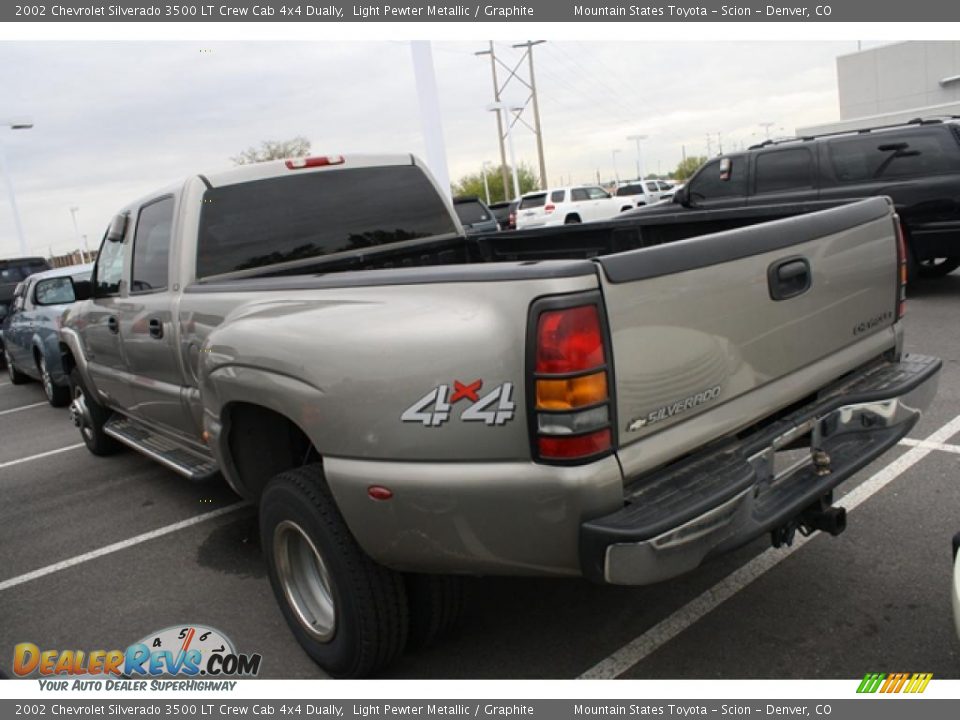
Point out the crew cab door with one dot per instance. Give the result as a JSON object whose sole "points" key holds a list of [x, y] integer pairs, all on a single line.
{"points": [[147, 325], [100, 329]]}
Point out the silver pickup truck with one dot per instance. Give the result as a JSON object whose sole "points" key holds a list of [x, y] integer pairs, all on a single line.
{"points": [[617, 401]]}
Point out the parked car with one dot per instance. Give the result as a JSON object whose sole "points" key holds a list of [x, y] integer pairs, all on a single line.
{"points": [[31, 330], [566, 206], [406, 405], [917, 164], [12, 271], [506, 214], [638, 193], [474, 215]]}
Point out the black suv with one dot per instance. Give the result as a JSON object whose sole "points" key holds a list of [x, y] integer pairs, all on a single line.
{"points": [[917, 164]]}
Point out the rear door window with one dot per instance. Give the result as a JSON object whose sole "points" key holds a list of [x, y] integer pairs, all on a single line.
{"points": [[781, 170], [578, 195], [557, 196], [881, 156], [151, 246]]}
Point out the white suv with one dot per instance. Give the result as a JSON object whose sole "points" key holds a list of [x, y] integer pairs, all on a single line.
{"points": [[563, 206], [638, 193]]}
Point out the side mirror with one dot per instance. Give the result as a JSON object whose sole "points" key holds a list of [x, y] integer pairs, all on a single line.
{"points": [[82, 289], [682, 196], [118, 228], [54, 291]]}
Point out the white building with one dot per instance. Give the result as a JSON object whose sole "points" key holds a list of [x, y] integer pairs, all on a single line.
{"points": [[895, 83]]}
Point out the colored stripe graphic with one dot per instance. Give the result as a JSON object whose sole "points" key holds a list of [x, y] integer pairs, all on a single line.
{"points": [[894, 683]]}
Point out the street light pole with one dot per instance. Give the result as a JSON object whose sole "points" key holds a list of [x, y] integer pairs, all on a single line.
{"points": [[4, 170], [637, 139], [616, 175], [81, 239]]}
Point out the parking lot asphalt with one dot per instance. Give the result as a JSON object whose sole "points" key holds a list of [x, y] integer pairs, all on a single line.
{"points": [[76, 571]]}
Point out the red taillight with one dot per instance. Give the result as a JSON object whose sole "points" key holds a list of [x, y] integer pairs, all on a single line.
{"points": [[569, 340], [311, 162], [570, 448], [571, 397], [549, 208], [901, 308]]}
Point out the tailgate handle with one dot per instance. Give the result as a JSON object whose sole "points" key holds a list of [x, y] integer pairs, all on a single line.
{"points": [[789, 277]]}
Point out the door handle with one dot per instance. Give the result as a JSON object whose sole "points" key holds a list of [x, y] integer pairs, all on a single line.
{"points": [[113, 325], [155, 328], [789, 278]]}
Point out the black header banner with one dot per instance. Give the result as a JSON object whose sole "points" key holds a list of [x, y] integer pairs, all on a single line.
{"points": [[519, 11]]}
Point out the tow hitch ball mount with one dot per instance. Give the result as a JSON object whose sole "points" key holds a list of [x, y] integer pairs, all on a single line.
{"points": [[821, 515]]}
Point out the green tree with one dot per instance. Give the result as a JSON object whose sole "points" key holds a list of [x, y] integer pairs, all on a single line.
{"points": [[688, 167], [472, 184], [274, 150]]}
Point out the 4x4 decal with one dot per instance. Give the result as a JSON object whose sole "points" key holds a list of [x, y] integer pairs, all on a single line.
{"points": [[433, 409]]}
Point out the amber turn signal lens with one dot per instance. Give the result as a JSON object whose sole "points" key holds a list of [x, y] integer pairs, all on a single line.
{"points": [[570, 393]]}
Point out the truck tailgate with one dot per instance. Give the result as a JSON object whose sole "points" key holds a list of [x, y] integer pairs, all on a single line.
{"points": [[697, 323]]}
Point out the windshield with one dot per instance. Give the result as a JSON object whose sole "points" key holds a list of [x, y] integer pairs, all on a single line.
{"points": [[533, 201], [471, 212], [14, 273], [279, 219]]}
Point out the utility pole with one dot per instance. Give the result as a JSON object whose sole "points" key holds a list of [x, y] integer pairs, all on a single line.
{"points": [[496, 96], [766, 126], [536, 109], [709, 146], [720, 142]]}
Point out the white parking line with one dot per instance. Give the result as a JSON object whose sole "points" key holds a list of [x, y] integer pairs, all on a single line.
{"points": [[10, 463], [931, 445], [669, 628], [117, 546], [22, 407]]}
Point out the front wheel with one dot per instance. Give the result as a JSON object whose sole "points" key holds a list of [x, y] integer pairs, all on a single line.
{"points": [[345, 610], [57, 395], [937, 267], [90, 416]]}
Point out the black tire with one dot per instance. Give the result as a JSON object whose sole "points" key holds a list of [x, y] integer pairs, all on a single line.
{"points": [[16, 377], [937, 267], [571, 220], [436, 607], [302, 530], [91, 422], [57, 395]]}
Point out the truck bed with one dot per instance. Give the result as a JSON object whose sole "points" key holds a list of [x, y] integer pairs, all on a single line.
{"points": [[521, 251]]}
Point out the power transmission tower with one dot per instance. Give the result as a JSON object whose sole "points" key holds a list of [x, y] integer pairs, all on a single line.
{"points": [[536, 107], [531, 101]]}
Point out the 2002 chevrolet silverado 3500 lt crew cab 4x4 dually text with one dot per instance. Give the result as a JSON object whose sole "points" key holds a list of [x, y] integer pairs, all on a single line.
{"points": [[405, 404]]}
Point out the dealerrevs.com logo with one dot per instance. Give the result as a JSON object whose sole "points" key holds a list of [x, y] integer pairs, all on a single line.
{"points": [[183, 651]]}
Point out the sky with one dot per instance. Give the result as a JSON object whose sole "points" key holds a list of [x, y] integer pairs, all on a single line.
{"points": [[114, 121]]}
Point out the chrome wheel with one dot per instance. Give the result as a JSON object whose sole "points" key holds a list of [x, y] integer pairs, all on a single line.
{"points": [[80, 413], [305, 580], [46, 379]]}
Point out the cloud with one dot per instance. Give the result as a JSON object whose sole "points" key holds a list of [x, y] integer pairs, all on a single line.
{"points": [[114, 121]]}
